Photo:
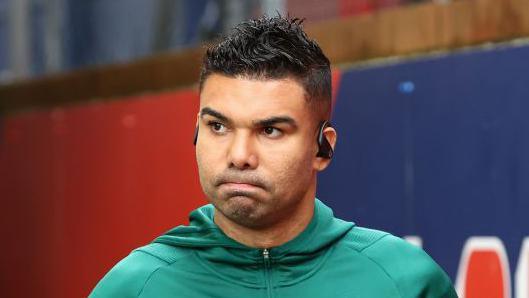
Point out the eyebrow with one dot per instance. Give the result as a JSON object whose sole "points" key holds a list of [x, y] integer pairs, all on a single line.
{"points": [[262, 123], [276, 120], [212, 112]]}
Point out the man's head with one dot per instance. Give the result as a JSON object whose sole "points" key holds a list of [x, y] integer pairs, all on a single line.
{"points": [[273, 48], [264, 90]]}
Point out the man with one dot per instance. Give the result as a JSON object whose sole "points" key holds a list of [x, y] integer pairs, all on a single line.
{"points": [[262, 136]]}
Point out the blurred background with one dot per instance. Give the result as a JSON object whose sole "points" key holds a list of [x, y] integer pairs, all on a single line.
{"points": [[97, 110], [47, 36]]}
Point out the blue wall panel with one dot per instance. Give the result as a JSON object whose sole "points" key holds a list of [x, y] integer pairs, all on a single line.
{"points": [[437, 148]]}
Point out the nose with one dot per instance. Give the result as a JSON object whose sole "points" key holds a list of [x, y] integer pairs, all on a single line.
{"points": [[242, 152]]}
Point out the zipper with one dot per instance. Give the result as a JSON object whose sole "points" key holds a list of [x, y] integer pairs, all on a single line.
{"points": [[267, 273]]}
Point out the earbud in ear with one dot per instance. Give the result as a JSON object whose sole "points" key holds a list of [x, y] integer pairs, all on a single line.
{"points": [[324, 147], [195, 137]]}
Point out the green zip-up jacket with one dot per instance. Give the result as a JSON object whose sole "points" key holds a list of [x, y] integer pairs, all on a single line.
{"points": [[330, 258]]}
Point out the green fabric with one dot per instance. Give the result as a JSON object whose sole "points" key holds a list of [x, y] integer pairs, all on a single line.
{"points": [[331, 258]]}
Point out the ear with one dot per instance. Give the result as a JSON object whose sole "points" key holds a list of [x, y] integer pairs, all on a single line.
{"points": [[331, 135]]}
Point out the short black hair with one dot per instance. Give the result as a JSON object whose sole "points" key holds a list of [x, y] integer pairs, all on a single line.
{"points": [[272, 48]]}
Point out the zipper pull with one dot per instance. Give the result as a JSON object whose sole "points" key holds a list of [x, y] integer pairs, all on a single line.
{"points": [[266, 254]]}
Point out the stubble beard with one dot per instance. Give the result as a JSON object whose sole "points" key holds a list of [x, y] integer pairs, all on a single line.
{"points": [[253, 209], [244, 208]]}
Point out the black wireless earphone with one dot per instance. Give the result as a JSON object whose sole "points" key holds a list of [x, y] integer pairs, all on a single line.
{"points": [[324, 148], [195, 137]]}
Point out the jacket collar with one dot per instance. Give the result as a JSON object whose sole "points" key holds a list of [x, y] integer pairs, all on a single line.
{"points": [[294, 260]]}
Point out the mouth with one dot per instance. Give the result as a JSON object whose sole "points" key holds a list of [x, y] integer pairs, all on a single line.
{"points": [[249, 181], [240, 186]]}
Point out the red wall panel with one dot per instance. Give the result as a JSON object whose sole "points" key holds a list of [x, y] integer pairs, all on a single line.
{"points": [[81, 186]]}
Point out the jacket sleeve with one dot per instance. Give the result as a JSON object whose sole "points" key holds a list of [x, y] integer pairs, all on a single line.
{"points": [[413, 271], [128, 277]]}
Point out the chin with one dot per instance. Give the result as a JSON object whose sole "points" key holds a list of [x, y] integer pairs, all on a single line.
{"points": [[245, 211], [241, 206]]}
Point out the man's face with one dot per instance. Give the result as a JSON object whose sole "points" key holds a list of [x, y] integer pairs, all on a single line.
{"points": [[256, 149]]}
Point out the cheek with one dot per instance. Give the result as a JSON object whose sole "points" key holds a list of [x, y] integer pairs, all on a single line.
{"points": [[205, 163], [207, 154], [206, 171], [291, 170]]}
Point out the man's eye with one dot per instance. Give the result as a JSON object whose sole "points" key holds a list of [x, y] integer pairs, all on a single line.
{"points": [[217, 127], [272, 132]]}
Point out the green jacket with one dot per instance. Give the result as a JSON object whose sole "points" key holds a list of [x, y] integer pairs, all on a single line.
{"points": [[331, 258]]}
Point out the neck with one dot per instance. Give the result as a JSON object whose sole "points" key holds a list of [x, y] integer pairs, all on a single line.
{"points": [[274, 235]]}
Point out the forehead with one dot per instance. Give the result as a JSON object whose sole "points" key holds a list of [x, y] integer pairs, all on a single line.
{"points": [[250, 98]]}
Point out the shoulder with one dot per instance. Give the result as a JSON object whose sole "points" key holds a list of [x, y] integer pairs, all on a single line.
{"points": [[128, 277], [412, 270]]}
